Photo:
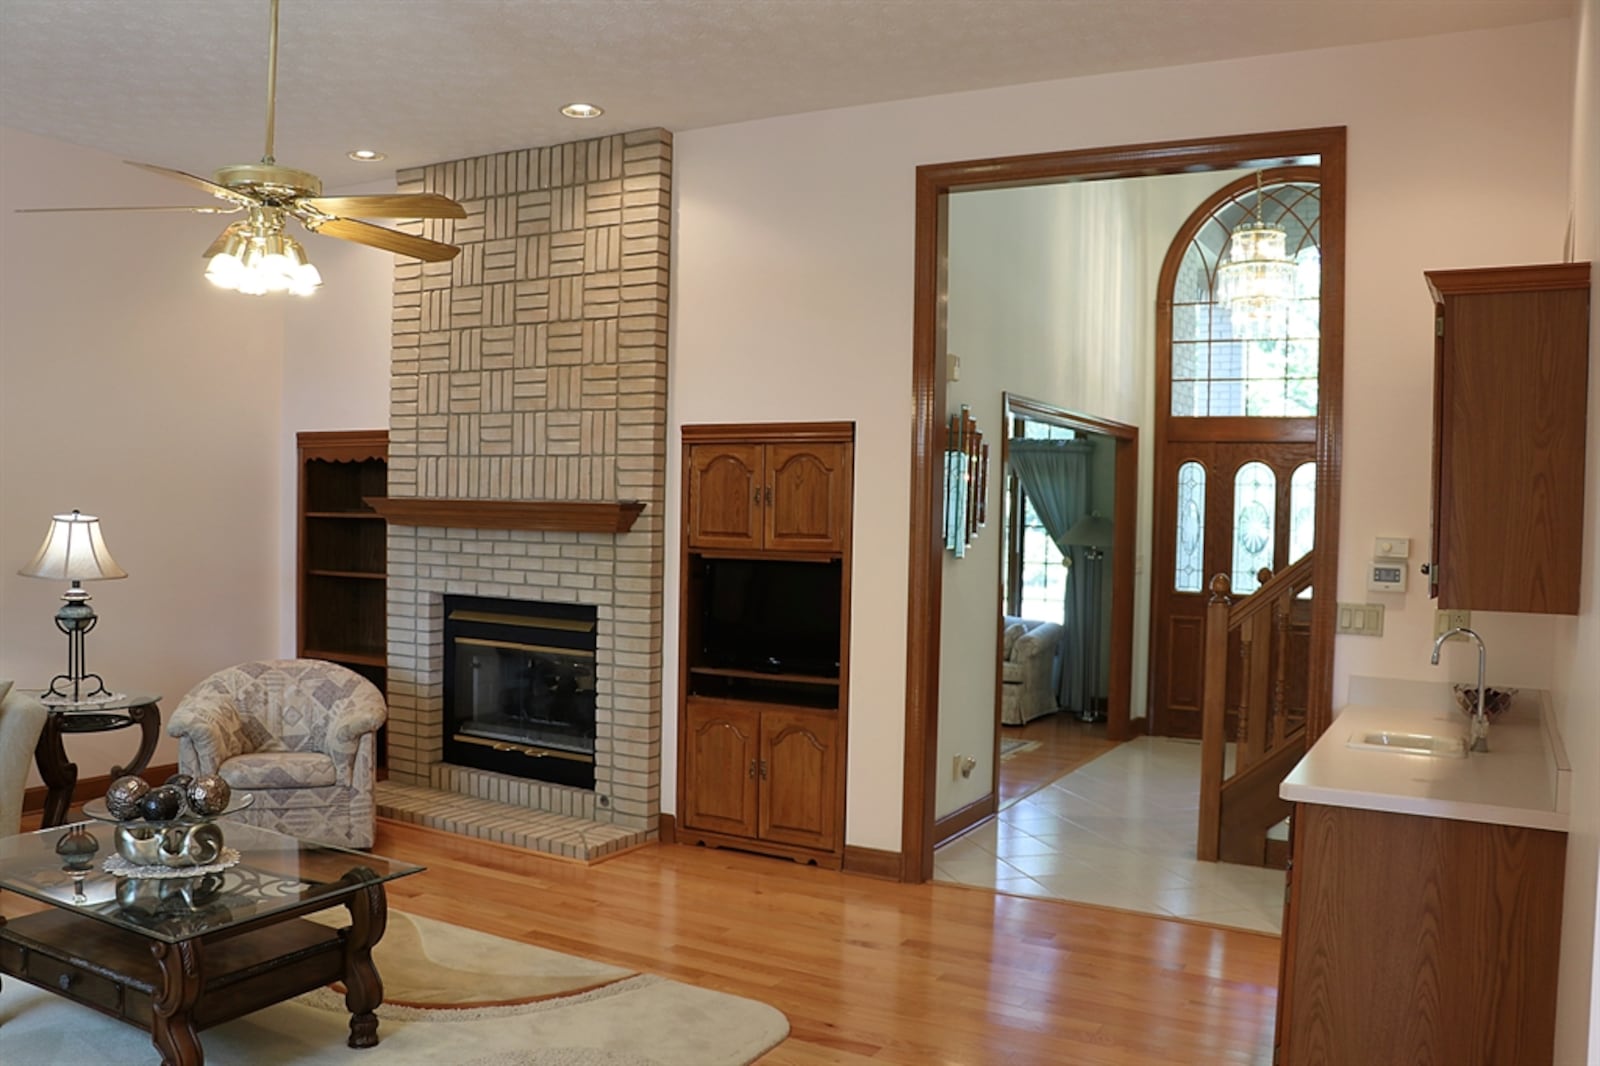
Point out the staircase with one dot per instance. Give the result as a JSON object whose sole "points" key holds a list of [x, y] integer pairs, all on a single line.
{"points": [[1256, 653]]}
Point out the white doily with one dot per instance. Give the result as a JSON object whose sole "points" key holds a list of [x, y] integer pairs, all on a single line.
{"points": [[116, 864]]}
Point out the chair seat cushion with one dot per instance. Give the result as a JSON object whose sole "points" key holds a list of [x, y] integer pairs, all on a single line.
{"points": [[280, 769]]}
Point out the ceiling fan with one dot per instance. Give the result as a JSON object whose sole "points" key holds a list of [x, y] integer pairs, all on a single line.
{"points": [[254, 255]]}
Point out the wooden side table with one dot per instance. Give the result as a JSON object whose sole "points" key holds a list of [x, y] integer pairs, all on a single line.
{"points": [[91, 716]]}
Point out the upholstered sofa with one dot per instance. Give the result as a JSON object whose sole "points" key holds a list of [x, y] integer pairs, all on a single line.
{"points": [[298, 735], [1027, 671], [22, 719]]}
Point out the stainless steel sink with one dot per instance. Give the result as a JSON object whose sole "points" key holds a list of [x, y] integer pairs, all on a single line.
{"points": [[1445, 747]]}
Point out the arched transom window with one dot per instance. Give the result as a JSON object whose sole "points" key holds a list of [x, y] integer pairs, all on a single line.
{"points": [[1224, 365]]}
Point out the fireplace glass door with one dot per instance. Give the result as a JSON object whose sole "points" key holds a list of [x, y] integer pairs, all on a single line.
{"points": [[520, 688]]}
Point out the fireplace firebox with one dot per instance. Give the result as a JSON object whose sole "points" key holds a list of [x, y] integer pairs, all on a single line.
{"points": [[519, 688]]}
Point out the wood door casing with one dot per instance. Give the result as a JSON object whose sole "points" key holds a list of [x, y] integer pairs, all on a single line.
{"points": [[808, 501], [1177, 629], [799, 759], [721, 758], [726, 482]]}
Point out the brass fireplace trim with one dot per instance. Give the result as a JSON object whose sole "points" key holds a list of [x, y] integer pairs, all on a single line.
{"points": [[533, 751]]}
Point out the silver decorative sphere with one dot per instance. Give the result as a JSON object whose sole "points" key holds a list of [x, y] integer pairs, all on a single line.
{"points": [[122, 798], [209, 795]]}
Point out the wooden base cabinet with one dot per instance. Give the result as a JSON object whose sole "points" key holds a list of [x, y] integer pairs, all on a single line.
{"points": [[762, 772], [1419, 940]]}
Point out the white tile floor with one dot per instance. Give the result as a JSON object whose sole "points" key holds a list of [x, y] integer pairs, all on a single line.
{"points": [[1118, 831]]}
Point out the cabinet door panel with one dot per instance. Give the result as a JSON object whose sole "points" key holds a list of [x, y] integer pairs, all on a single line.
{"points": [[719, 765], [1513, 478], [810, 501], [800, 756], [725, 487]]}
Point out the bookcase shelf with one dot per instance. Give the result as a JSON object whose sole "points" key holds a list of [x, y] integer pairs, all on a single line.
{"points": [[343, 554]]}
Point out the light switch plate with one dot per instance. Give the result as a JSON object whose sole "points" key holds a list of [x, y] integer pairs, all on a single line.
{"points": [[1360, 620]]}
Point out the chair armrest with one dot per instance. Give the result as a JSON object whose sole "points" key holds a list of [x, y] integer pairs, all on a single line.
{"points": [[212, 726], [1042, 639], [356, 717]]}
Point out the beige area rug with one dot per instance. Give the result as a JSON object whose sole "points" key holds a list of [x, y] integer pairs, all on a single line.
{"points": [[1010, 747], [452, 997]]}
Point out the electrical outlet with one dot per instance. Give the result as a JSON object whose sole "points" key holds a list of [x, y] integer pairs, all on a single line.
{"points": [[1445, 620]]}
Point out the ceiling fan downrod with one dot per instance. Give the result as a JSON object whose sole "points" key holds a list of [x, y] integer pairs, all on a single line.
{"points": [[272, 82]]}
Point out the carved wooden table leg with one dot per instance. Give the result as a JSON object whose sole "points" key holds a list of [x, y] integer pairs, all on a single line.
{"points": [[149, 718], [369, 916], [60, 775], [172, 1028]]}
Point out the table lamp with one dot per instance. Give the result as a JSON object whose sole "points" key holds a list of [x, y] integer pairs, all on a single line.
{"points": [[74, 550]]}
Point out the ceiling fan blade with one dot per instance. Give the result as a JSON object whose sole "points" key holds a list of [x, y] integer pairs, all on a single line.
{"points": [[222, 192], [388, 239], [391, 205], [222, 240], [194, 210]]}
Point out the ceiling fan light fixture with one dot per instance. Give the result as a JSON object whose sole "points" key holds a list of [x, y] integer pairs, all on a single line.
{"points": [[580, 110], [259, 263]]}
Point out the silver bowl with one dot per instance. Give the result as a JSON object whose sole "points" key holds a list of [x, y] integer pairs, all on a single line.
{"points": [[176, 845]]}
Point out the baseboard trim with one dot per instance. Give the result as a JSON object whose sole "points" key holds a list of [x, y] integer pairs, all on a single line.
{"points": [[959, 821], [873, 862], [89, 788], [668, 829]]}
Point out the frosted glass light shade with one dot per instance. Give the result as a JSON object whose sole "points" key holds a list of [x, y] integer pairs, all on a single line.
{"points": [[74, 550]]}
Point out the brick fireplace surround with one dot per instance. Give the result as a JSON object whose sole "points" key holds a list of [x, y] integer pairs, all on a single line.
{"points": [[533, 367]]}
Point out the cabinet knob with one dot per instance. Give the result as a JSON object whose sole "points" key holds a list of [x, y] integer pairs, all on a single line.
{"points": [[752, 769], [758, 495], [763, 769], [769, 494]]}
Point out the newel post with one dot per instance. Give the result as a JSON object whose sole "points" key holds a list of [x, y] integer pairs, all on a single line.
{"points": [[1213, 719]]}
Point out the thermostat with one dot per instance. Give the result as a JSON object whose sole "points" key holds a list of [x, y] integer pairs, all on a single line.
{"points": [[1386, 575]]}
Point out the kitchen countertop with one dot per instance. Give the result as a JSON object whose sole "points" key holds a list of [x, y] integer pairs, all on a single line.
{"points": [[1523, 780]]}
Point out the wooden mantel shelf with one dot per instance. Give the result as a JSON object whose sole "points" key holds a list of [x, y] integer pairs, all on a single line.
{"points": [[573, 516]]}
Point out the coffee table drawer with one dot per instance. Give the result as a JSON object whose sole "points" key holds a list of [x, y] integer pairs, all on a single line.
{"points": [[61, 976]]}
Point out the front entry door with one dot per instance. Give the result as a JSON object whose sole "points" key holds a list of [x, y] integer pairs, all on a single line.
{"points": [[1221, 507]]}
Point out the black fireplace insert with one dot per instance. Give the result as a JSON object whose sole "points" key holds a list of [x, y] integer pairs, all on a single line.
{"points": [[519, 688]]}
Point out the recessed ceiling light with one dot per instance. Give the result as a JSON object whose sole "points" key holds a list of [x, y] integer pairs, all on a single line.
{"points": [[366, 155], [583, 111]]}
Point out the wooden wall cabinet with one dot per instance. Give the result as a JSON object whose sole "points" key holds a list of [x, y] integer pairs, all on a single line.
{"points": [[1411, 939], [768, 496], [762, 743], [343, 551], [1511, 364]]}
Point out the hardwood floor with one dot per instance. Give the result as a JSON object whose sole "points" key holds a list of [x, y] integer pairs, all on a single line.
{"points": [[1064, 744], [873, 971]]}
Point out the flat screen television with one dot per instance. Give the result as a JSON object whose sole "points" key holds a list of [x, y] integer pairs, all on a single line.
{"points": [[772, 616]]}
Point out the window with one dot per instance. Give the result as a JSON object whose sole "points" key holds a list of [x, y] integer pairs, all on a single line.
{"points": [[1302, 509], [1255, 494], [1041, 574], [1267, 371], [1190, 556]]}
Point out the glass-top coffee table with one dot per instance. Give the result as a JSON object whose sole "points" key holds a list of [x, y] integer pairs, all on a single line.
{"points": [[175, 955]]}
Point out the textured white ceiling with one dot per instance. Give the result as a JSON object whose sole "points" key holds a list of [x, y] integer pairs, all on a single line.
{"points": [[181, 83]]}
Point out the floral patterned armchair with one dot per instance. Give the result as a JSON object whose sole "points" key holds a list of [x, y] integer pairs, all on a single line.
{"points": [[299, 734]]}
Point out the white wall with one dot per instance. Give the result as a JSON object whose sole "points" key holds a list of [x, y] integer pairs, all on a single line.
{"points": [[132, 389], [793, 274], [1577, 647]]}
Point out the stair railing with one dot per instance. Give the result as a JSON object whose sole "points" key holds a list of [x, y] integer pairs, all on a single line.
{"points": [[1266, 722]]}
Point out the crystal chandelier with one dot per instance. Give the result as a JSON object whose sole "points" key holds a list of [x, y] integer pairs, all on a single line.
{"points": [[257, 257], [1255, 279]]}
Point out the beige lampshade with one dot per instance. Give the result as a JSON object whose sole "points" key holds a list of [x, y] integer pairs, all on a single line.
{"points": [[74, 550]]}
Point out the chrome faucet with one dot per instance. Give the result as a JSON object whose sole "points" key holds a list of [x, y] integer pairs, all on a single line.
{"points": [[1480, 720]]}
